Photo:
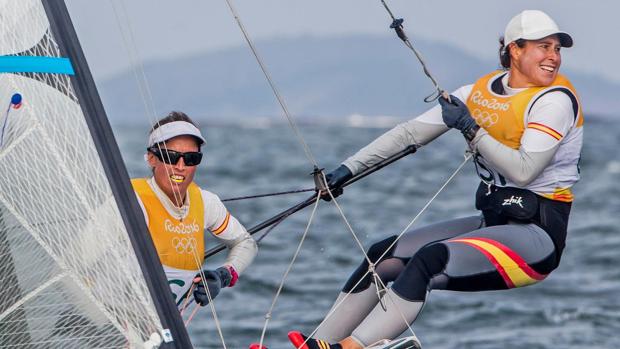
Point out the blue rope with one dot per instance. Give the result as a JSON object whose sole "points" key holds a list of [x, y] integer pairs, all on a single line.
{"points": [[16, 101]]}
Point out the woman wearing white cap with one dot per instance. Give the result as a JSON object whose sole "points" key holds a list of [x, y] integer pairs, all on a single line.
{"points": [[524, 124], [177, 212]]}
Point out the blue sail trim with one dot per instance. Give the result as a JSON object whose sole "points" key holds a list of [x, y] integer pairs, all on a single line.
{"points": [[35, 64]]}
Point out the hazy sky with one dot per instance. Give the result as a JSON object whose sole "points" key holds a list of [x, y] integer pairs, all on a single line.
{"points": [[167, 29]]}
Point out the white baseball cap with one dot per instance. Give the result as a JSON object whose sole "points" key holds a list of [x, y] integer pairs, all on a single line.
{"points": [[534, 25]]}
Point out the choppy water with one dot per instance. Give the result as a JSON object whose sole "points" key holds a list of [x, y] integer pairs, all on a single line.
{"points": [[578, 306]]}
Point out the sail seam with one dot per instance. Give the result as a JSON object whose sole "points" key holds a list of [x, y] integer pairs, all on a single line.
{"points": [[16, 142], [30, 295]]}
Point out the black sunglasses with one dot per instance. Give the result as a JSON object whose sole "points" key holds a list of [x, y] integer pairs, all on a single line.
{"points": [[171, 157]]}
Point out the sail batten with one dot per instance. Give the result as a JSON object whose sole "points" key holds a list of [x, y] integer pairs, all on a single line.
{"points": [[23, 300]]}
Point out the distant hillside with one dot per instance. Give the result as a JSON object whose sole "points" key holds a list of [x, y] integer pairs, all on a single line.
{"points": [[318, 77]]}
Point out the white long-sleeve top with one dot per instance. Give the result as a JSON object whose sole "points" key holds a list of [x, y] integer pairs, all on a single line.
{"points": [[542, 163]]}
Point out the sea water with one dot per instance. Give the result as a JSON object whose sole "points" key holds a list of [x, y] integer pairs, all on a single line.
{"points": [[577, 306]]}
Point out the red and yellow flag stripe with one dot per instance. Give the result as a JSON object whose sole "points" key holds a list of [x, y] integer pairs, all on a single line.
{"points": [[546, 129], [222, 226], [560, 194], [322, 344], [513, 269]]}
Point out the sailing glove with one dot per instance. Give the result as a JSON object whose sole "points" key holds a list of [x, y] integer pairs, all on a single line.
{"points": [[215, 280], [456, 115], [335, 180]]}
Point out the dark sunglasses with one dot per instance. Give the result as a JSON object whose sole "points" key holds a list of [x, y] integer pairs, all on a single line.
{"points": [[171, 157]]}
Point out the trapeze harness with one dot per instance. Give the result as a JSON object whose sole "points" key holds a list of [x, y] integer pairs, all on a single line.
{"points": [[549, 205]]}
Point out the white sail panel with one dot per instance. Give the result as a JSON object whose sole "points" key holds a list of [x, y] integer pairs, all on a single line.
{"points": [[69, 276], [27, 25]]}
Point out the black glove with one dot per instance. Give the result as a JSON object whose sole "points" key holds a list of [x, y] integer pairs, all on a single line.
{"points": [[456, 115], [335, 180], [215, 280]]}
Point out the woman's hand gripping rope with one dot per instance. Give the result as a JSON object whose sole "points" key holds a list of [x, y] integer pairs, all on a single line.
{"points": [[335, 180], [215, 280], [456, 115]]}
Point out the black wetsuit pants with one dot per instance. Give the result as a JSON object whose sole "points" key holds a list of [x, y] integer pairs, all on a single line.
{"points": [[458, 255]]}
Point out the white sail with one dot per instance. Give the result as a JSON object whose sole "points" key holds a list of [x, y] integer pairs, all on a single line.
{"points": [[69, 274]]}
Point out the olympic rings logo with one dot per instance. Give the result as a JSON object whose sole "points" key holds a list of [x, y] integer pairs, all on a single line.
{"points": [[484, 118], [184, 245]]}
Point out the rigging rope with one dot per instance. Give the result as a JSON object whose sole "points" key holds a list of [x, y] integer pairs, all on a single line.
{"points": [[371, 268], [397, 25], [281, 101], [15, 103], [467, 156], [282, 215], [260, 238], [268, 194], [203, 280], [147, 99], [349, 227], [310, 157], [130, 46], [288, 269]]}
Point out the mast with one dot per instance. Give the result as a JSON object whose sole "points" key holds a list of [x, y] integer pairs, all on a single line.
{"points": [[109, 153]]}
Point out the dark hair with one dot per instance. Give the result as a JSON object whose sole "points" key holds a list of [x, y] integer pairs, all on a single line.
{"points": [[172, 117], [504, 52]]}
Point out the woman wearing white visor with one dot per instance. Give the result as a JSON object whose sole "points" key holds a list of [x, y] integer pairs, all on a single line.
{"points": [[177, 212], [525, 125]]}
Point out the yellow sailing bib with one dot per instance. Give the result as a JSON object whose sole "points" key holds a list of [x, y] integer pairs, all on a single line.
{"points": [[503, 117], [179, 243]]}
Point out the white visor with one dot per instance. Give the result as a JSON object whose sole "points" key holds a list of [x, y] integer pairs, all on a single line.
{"points": [[175, 129]]}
